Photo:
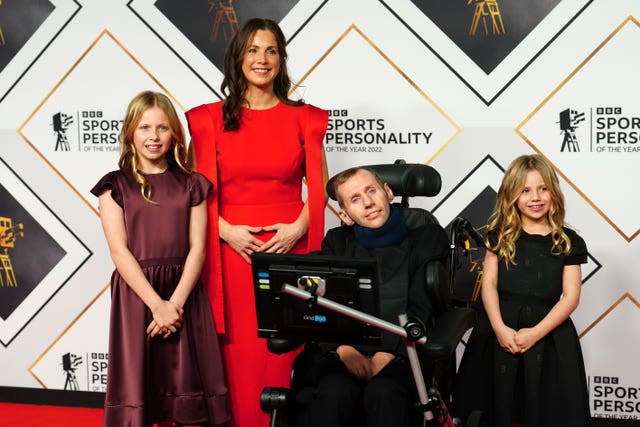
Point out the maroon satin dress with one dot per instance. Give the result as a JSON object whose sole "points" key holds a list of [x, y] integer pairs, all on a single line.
{"points": [[150, 380]]}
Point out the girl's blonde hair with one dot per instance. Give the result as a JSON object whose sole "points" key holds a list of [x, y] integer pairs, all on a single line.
{"points": [[505, 219], [128, 156]]}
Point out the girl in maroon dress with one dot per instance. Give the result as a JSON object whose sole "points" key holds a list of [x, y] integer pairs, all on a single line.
{"points": [[164, 360], [257, 146]]}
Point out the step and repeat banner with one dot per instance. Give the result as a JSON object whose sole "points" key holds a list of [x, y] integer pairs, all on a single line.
{"points": [[464, 86]]}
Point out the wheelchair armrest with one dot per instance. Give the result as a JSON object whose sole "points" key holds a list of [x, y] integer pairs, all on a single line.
{"points": [[444, 336], [281, 345]]}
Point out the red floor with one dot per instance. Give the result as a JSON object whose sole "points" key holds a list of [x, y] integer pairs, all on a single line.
{"points": [[19, 415]]}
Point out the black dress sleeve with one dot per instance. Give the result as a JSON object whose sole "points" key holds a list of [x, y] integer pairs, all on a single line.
{"points": [[199, 189], [109, 182], [578, 253]]}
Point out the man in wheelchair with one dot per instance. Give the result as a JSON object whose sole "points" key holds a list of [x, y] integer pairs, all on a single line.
{"points": [[373, 385]]}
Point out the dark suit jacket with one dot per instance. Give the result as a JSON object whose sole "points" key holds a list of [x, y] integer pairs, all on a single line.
{"points": [[402, 274]]}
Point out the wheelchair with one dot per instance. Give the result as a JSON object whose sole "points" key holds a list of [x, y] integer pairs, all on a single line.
{"points": [[452, 320]]}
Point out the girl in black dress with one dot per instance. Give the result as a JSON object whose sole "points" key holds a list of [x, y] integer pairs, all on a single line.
{"points": [[523, 362]]}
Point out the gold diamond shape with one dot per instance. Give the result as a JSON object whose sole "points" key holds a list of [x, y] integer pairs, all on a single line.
{"points": [[103, 33], [610, 310], [354, 28], [357, 30], [564, 82], [63, 333]]}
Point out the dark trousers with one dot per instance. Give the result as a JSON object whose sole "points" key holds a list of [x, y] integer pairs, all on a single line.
{"points": [[340, 399]]}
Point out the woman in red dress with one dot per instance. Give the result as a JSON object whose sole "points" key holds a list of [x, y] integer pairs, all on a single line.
{"points": [[256, 146]]}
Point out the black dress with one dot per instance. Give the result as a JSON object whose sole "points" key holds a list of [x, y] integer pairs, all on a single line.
{"points": [[545, 386], [180, 378]]}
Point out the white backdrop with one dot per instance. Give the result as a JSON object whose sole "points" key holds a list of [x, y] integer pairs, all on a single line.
{"points": [[402, 79]]}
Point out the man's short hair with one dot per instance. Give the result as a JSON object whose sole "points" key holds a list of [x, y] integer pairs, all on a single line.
{"points": [[344, 176]]}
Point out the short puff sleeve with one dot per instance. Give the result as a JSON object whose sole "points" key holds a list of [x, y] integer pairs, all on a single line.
{"points": [[109, 182], [199, 189], [578, 253], [492, 238]]}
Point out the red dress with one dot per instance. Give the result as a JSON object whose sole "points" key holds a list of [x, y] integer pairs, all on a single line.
{"points": [[258, 171]]}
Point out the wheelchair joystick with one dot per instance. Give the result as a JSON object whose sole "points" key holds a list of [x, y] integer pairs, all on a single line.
{"points": [[315, 285]]}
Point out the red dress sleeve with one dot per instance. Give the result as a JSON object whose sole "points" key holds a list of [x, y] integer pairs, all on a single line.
{"points": [[203, 123], [314, 130]]}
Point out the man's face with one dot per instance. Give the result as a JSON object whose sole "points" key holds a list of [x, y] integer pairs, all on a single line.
{"points": [[365, 201]]}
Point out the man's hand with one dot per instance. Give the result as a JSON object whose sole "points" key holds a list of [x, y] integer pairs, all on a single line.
{"points": [[355, 362], [379, 361]]}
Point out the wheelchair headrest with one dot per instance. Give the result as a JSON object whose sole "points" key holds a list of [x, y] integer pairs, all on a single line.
{"points": [[405, 179]]}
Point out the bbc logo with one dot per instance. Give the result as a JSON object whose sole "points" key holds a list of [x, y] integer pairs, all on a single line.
{"points": [[605, 380]]}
